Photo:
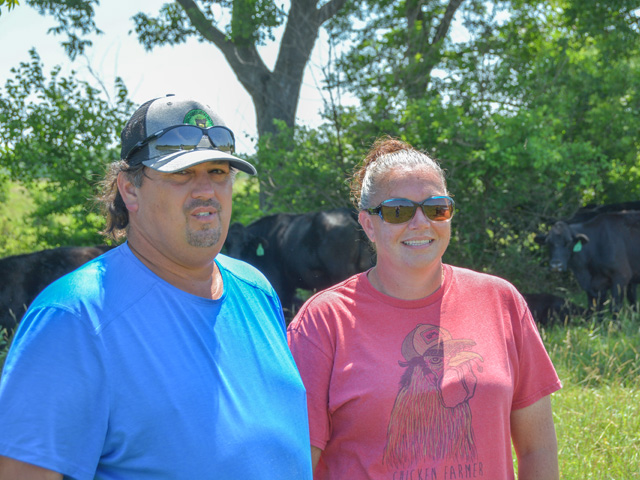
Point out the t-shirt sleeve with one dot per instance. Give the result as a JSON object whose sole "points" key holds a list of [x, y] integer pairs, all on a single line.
{"points": [[536, 377], [54, 395], [311, 351]]}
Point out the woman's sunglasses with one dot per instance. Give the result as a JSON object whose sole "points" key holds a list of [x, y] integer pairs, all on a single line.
{"points": [[187, 137], [401, 210]]}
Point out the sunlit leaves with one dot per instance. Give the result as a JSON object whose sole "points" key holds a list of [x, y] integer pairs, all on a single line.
{"points": [[58, 134]]}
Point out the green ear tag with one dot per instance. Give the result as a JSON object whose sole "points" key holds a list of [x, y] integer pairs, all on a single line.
{"points": [[260, 250], [577, 247]]}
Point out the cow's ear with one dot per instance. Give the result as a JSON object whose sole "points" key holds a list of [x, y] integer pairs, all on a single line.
{"points": [[128, 192], [579, 240], [581, 237], [367, 225], [258, 245]]}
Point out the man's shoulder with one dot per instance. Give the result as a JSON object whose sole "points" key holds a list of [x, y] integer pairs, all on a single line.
{"points": [[97, 281], [243, 272]]}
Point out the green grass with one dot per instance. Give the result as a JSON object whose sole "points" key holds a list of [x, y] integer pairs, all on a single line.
{"points": [[597, 413], [598, 432], [17, 235]]}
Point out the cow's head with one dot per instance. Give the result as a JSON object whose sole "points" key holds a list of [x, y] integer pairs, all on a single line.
{"points": [[563, 242], [242, 244]]}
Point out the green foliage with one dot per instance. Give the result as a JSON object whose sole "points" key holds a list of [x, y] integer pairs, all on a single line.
{"points": [[18, 234], [9, 3], [58, 134], [305, 170], [532, 117], [6, 336], [75, 19], [171, 27], [252, 22], [246, 202]]}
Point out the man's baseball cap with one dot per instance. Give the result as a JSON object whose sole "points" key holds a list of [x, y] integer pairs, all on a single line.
{"points": [[156, 117]]}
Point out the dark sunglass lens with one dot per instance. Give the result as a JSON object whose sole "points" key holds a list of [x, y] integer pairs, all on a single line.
{"points": [[438, 209], [222, 139], [185, 137], [397, 211]]}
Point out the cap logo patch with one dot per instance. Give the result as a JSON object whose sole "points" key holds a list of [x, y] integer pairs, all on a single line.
{"points": [[199, 118]]}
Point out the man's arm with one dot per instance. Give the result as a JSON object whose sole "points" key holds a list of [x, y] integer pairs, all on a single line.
{"points": [[535, 442], [11, 469]]}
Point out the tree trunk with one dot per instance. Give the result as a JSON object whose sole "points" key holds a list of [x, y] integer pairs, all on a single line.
{"points": [[425, 43], [275, 94]]}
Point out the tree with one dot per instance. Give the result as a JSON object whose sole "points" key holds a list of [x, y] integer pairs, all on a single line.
{"points": [[275, 93], [532, 116], [57, 136]]}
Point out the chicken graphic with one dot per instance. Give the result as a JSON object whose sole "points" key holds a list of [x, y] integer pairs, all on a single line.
{"points": [[431, 417]]}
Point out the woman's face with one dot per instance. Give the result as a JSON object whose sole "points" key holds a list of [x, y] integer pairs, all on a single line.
{"points": [[419, 243]]}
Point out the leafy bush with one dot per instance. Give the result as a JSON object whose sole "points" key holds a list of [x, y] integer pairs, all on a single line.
{"points": [[57, 136]]}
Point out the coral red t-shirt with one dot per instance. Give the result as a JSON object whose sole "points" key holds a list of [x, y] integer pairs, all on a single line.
{"points": [[420, 389]]}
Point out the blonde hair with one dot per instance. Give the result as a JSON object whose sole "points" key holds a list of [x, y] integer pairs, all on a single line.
{"points": [[386, 153]]}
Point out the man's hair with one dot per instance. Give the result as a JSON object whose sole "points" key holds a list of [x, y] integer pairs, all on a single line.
{"points": [[111, 201]]}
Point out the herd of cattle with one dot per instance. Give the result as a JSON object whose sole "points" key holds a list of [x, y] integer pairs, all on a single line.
{"points": [[312, 251]]}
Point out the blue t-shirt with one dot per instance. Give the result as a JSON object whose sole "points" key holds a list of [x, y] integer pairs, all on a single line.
{"points": [[115, 373]]}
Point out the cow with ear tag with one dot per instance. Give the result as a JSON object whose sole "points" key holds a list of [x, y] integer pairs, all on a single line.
{"points": [[310, 251], [602, 254]]}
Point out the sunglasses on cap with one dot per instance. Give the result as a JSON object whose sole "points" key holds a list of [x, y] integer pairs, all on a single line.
{"points": [[187, 137], [401, 210]]}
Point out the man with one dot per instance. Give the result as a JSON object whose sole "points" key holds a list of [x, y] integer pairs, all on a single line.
{"points": [[160, 359]]}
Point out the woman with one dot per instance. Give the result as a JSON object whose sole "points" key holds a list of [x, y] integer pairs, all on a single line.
{"points": [[416, 369]]}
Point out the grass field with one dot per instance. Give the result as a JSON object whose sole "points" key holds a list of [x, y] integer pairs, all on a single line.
{"points": [[597, 413]]}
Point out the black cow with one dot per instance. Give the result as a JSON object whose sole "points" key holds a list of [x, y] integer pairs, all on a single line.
{"points": [[589, 211], [546, 308], [23, 277], [308, 251], [602, 253]]}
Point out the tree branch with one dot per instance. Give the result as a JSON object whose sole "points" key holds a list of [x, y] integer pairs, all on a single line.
{"points": [[243, 59], [329, 10], [445, 24]]}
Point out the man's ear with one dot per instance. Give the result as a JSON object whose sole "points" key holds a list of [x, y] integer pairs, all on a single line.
{"points": [[366, 220], [128, 192]]}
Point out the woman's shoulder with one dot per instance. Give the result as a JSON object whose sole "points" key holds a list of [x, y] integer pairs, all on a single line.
{"points": [[473, 279], [330, 305]]}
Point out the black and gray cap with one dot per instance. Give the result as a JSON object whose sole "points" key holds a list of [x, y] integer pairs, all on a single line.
{"points": [[164, 112]]}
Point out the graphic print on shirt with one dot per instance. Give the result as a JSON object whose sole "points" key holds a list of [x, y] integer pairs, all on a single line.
{"points": [[431, 418]]}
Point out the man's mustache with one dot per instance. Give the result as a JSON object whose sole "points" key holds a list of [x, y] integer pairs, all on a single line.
{"points": [[198, 203]]}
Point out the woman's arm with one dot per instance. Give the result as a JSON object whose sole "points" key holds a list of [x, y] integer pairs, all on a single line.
{"points": [[315, 456], [535, 442]]}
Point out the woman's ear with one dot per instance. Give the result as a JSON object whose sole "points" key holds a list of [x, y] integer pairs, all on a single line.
{"points": [[366, 220], [128, 192]]}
